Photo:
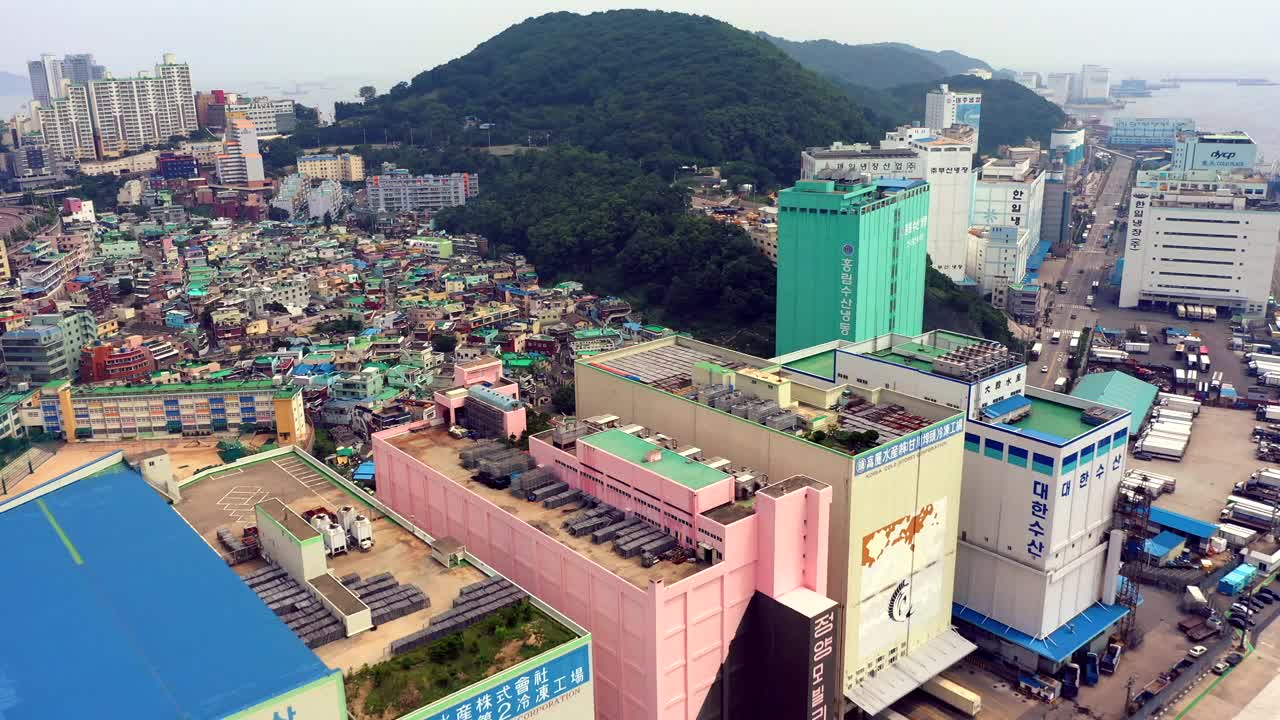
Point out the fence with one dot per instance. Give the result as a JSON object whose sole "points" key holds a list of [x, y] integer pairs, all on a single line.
{"points": [[21, 467]]}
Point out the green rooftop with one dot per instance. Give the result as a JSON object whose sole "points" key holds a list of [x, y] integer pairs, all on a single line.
{"points": [[180, 388], [823, 365], [1053, 418], [1119, 390], [689, 473], [893, 356]]}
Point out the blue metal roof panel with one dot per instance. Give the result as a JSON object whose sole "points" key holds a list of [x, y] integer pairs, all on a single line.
{"points": [[89, 612], [1058, 645], [1006, 406], [1182, 523]]}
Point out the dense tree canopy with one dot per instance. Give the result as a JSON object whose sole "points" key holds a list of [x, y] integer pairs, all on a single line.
{"points": [[623, 230], [665, 88]]}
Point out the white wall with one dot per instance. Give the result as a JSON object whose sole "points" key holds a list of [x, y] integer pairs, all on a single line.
{"points": [[302, 561], [1241, 264], [1034, 602], [948, 170]]}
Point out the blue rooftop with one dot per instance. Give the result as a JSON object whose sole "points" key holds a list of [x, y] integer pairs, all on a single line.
{"points": [[898, 183], [364, 472], [1163, 544], [1187, 526], [94, 624], [1061, 643], [1006, 406]]}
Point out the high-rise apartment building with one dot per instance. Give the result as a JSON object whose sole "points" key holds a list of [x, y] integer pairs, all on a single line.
{"points": [[130, 113], [80, 69], [240, 163], [49, 348], [398, 191], [851, 259], [347, 167], [67, 127], [1206, 241], [270, 117], [46, 78]]}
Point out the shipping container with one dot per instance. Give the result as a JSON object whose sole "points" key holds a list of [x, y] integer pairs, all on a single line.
{"points": [[1162, 447], [1171, 414], [954, 695]]}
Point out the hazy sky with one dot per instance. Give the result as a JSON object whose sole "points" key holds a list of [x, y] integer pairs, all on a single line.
{"points": [[235, 41]]}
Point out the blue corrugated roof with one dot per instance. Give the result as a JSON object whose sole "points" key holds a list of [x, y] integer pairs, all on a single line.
{"points": [[1006, 406], [98, 558], [1163, 544], [1182, 523], [1058, 645]]}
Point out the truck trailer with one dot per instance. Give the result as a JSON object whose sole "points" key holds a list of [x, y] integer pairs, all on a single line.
{"points": [[954, 695]]}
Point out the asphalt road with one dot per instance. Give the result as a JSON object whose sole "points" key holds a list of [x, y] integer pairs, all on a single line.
{"points": [[1092, 262]]}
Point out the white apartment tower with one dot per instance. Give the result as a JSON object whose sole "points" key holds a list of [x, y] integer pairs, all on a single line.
{"points": [[66, 126], [240, 163], [46, 78], [130, 113]]}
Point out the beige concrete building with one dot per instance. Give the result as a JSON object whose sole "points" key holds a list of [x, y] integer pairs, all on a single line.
{"points": [[346, 167], [895, 471]]}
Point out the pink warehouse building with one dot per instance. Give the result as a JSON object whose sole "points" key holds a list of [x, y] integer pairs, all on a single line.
{"points": [[482, 399], [742, 629]]}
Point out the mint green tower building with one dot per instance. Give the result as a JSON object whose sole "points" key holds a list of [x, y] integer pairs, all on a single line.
{"points": [[851, 260]]}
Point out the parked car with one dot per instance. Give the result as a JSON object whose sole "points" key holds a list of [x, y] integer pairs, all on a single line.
{"points": [[1234, 659], [1238, 623], [1220, 668], [1266, 599], [1239, 607], [1197, 651]]}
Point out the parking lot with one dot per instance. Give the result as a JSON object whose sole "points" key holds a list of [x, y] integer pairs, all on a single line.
{"points": [[1217, 335], [1219, 455]]}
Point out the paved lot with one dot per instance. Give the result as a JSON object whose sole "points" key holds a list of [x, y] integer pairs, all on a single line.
{"points": [[1219, 455], [1223, 698], [226, 499], [1217, 335], [188, 455]]}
